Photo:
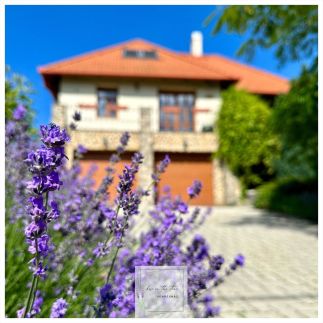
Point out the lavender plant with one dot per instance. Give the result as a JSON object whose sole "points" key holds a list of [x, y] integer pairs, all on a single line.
{"points": [[18, 143], [94, 236], [43, 164]]}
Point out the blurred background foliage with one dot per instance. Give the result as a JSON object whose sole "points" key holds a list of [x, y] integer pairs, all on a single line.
{"points": [[18, 90], [274, 148], [291, 30], [247, 143]]}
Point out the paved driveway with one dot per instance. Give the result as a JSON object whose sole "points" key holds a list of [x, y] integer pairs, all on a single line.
{"points": [[280, 277]]}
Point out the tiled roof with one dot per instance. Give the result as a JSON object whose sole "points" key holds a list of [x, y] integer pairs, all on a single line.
{"points": [[251, 79], [111, 62]]}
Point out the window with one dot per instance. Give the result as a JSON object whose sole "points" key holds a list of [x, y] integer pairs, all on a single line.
{"points": [[107, 103], [176, 111], [130, 53]]}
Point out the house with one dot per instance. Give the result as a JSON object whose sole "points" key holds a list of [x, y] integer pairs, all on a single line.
{"points": [[167, 100]]}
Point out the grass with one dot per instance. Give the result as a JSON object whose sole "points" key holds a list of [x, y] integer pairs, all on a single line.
{"points": [[291, 197]]}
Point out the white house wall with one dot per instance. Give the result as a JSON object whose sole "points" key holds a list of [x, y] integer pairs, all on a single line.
{"points": [[134, 96], [210, 100]]}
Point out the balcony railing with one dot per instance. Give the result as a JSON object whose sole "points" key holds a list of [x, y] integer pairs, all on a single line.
{"points": [[171, 118], [178, 118]]}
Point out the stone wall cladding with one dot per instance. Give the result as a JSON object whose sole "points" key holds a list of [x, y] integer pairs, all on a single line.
{"points": [[146, 147], [185, 142], [58, 115], [162, 141]]}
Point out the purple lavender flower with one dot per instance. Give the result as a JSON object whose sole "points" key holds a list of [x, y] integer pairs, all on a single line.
{"points": [[216, 262], [195, 189], [240, 260], [43, 164], [53, 136], [161, 168], [19, 113], [37, 303], [128, 176], [18, 143], [114, 158], [207, 299], [20, 313], [211, 311], [35, 309], [42, 245], [77, 116], [39, 270], [182, 207], [81, 150], [100, 250], [59, 308], [124, 139], [43, 160], [106, 293]]}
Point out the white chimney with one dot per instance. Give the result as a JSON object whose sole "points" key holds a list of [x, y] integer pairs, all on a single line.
{"points": [[196, 43]]}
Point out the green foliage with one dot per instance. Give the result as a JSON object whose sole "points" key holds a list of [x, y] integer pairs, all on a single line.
{"points": [[18, 276], [246, 142], [295, 120], [17, 91], [291, 197], [291, 30]]}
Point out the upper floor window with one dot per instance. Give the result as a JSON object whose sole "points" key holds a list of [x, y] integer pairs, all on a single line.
{"points": [[107, 103], [176, 111], [131, 53]]}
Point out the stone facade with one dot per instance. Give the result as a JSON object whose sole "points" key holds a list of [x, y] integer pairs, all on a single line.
{"points": [[58, 115], [146, 147]]}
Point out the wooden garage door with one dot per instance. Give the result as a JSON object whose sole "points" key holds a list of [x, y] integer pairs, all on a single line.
{"points": [[183, 170], [100, 159]]}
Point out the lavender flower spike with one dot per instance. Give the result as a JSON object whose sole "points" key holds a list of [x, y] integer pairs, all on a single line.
{"points": [[194, 190], [53, 136], [77, 116], [161, 167], [43, 164], [59, 308], [19, 113]]}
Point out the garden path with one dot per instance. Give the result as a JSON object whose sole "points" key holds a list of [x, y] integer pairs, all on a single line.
{"points": [[280, 277]]}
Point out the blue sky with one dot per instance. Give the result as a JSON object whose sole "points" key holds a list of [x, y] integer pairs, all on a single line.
{"points": [[37, 35]]}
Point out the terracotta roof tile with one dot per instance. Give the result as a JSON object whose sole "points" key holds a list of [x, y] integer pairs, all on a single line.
{"points": [[251, 79], [168, 65]]}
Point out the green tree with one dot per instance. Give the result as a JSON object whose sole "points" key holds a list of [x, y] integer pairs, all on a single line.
{"points": [[246, 142], [290, 29], [295, 120], [17, 91]]}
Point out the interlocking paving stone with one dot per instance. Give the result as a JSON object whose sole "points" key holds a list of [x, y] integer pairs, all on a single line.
{"points": [[280, 276]]}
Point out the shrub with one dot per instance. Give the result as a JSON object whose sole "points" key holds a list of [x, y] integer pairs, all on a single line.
{"points": [[295, 120], [291, 197], [246, 142]]}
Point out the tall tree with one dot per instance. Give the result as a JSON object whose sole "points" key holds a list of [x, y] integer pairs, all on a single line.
{"points": [[291, 30], [295, 120]]}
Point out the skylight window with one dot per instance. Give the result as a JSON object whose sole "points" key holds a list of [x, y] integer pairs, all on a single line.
{"points": [[145, 54]]}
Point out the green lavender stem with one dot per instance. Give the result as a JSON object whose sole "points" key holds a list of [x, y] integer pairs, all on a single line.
{"points": [[34, 283]]}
